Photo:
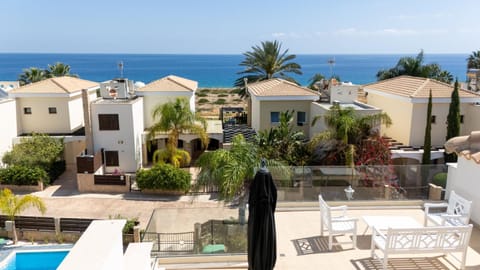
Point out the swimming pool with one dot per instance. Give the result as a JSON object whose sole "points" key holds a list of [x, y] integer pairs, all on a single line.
{"points": [[34, 260]]}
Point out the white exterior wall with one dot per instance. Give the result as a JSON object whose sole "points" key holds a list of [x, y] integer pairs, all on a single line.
{"points": [[100, 247], [400, 111], [317, 110], [153, 99], [138, 128], [40, 120], [9, 125], [126, 140], [75, 110], [69, 116], [255, 113], [471, 117], [463, 178], [344, 93]]}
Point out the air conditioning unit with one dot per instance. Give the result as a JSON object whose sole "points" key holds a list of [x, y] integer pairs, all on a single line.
{"points": [[117, 88], [8, 225]]}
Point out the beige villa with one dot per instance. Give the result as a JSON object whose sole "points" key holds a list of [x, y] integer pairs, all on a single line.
{"points": [[268, 98], [165, 90], [405, 100], [54, 106]]}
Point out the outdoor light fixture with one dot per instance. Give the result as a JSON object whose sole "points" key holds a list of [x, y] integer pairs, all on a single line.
{"points": [[349, 192]]}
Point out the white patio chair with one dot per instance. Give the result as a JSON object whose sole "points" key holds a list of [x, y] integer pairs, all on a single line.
{"points": [[336, 224], [457, 211]]}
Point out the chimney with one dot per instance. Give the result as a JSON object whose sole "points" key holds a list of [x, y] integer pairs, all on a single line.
{"points": [[88, 122]]}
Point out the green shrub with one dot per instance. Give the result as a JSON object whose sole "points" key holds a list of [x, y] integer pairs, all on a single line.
{"points": [[164, 177], [56, 169], [222, 95], [202, 101], [131, 222], [236, 91], [222, 91], [238, 100], [220, 101], [203, 91], [201, 94], [39, 150], [440, 179], [22, 175]]}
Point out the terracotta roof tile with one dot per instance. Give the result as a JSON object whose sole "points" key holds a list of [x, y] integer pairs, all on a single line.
{"points": [[278, 87], [417, 87], [171, 83], [57, 85]]}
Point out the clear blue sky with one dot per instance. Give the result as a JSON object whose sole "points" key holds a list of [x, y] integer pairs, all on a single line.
{"points": [[232, 27]]}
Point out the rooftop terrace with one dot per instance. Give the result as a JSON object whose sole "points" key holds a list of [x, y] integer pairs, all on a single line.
{"points": [[300, 246]]}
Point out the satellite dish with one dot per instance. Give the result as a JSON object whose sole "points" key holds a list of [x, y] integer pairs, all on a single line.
{"points": [[139, 84]]}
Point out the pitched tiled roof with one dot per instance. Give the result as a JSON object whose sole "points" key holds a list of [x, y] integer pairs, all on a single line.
{"points": [[57, 85], [417, 87], [171, 83], [466, 146], [278, 87], [9, 85]]}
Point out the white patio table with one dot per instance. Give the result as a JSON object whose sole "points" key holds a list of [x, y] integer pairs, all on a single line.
{"points": [[394, 222]]}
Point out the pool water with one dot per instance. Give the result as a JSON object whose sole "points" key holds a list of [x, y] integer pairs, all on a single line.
{"points": [[38, 260]]}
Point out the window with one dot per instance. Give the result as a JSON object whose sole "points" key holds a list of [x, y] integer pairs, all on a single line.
{"points": [[27, 110], [111, 158], [52, 110], [179, 144], [433, 119], [301, 118], [274, 117], [108, 122], [461, 119]]}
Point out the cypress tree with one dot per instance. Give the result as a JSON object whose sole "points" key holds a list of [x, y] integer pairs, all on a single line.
{"points": [[427, 142], [453, 120]]}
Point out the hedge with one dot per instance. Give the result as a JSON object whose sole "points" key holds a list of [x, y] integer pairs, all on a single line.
{"points": [[22, 175], [164, 177], [55, 169], [440, 179]]}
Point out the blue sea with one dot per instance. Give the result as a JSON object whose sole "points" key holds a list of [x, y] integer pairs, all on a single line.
{"points": [[214, 70]]}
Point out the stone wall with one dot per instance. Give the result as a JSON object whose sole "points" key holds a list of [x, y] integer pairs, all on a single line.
{"points": [[86, 183], [17, 188]]}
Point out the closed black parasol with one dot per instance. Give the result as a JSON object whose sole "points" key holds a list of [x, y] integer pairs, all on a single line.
{"points": [[262, 243]]}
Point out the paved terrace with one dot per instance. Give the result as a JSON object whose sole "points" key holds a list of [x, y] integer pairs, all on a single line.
{"points": [[298, 229]]}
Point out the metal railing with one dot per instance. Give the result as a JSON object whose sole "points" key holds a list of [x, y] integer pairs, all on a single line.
{"points": [[391, 182], [170, 243]]}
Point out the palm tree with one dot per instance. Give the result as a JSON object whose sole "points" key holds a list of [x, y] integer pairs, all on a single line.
{"points": [[315, 80], [265, 62], [232, 169], [58, 70], [348, 128], [229, 169], [414, 66], [474, 60], [281, 142], [12, 205], [31, 75], [175, 118]]}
